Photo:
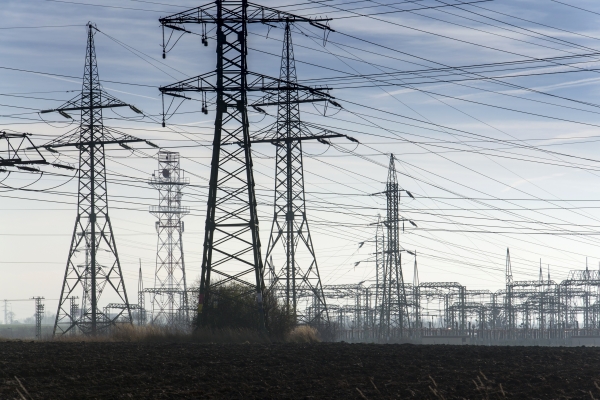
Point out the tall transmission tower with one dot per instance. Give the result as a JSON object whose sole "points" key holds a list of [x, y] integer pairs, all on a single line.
{"points": [[232, 249], [394, 317], [93, 266], [298, 277], [169, 295]]}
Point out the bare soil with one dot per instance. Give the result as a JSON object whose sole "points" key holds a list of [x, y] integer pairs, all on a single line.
{"points": [[97, 370]]}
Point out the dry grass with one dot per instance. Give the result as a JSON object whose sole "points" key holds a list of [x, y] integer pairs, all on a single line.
{"points": [[157, 334], [303, 334]]}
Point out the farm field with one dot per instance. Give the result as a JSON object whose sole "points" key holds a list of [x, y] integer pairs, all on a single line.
{"points": [[109, 370]]}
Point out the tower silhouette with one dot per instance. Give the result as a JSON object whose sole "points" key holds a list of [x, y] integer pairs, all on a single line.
{"points": [[169, 295], [232, 247], [93, 267], [295, 271], [394, 317]]}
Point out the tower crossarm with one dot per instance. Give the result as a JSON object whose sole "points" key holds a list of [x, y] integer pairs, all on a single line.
{"points": [[17, 150], [12, 150], [256, 83], [207, 14]]}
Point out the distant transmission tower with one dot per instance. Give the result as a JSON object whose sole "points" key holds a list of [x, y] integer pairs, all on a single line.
{"points": [[394, 317], [232, 250], [141, 299], [510, 315], [169, 295], [39, 315], [379, 272], [93, 266], [296, 274]]}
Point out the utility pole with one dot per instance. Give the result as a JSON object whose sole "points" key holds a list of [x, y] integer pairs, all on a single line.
{"points": [[298, 277], [169, 296], [93, 232], [509, 292], [232, 249]]}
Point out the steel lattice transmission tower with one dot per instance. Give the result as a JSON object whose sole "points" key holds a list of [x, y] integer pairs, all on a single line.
{"points": [[394, 316], [39, 315], [141, 298], [93, 267], [296, 274], [232, 249], [169, 295], [379, 271]]}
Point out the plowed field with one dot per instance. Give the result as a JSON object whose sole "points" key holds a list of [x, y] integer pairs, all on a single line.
{"points": [[52, 370]]}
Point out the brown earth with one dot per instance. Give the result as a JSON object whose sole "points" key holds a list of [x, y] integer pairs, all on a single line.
{"points": [[105, 370]]}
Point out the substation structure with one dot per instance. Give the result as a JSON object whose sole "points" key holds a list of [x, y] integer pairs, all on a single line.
{"points": [[541, 311], [524, 312]]}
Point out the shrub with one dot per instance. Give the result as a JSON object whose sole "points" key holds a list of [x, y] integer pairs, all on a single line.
{"points": [[303, 334], [234, 306]]}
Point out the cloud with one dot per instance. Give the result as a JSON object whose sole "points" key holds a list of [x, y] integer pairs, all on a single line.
{"points": [[530, 180]]}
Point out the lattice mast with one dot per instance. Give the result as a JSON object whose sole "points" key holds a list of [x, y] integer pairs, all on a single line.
{"points": [[141, 298], [379, 272], [297, 275], [232, 249], [169, 295], [93, 266], [510, 315], [415, 299], [394, 304], [39, 316]]}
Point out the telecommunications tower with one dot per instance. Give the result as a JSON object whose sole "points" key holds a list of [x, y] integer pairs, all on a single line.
{"points": [[93, 267], [169, 295], [232, 251]]}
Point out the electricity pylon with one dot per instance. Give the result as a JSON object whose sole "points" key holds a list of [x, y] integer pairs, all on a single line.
{"points": [[394, 317], [39, 315], [141, 298], [510, 315], [298, 276], [93, 266], [169, 295], [379, 271], [232, 249]]}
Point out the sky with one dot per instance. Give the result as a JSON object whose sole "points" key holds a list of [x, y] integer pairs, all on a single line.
{"points": [[489, 109]]}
